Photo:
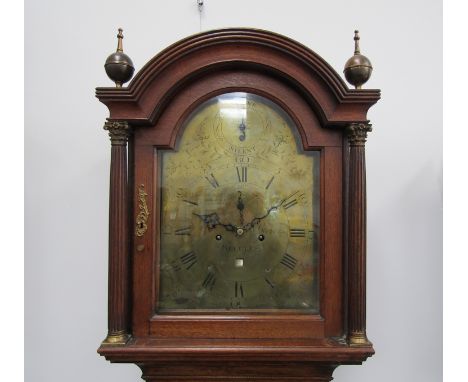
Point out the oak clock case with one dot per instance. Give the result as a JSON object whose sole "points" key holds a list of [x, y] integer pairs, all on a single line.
{"points": [[237, 210]]}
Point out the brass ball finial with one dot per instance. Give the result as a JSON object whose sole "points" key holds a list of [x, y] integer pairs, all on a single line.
{"points": [[358, 68], [119, 67]]}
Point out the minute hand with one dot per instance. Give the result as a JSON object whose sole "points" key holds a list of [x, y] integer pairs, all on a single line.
{"points": [[257, 220]]}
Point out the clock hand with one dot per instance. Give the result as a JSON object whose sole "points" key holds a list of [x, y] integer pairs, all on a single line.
{"points": [[240, 207], [257, 220], [212, 220]]}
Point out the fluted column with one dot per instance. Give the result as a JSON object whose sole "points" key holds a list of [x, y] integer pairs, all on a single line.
{"points": [[357, 134], [118, 293]]}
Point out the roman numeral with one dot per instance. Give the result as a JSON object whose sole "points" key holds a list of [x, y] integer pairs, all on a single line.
{"points": [[288, 261], [212, 180], [209, 281], [242, 174], [270, 283], [190, 202], [189, 260], [297, 232], [269, 183], [183, 231], [290, 204], [238, 290], [175, 266]]}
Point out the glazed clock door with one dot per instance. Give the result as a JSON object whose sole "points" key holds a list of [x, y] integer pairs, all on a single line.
{"points": [[239, 215], [241, 241]]}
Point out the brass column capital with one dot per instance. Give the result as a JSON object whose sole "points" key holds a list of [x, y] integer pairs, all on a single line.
{"points": [[119, 131], [357, 133]]}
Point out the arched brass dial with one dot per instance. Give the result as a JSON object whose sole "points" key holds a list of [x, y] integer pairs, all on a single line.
{"points": [[239, 211]]}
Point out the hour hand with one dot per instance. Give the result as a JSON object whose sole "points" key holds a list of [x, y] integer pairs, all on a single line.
{"points": [[240, 207], [212, 220]]}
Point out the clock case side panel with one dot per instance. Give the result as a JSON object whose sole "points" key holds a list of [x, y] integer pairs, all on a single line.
{"points": [[163, 135]]}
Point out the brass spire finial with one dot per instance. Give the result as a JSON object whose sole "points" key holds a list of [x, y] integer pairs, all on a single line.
{"points": [[119, 40], [358, 68], [356, 42], [119, 67]]}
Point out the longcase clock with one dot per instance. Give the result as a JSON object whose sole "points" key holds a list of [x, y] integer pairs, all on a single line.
{"points": [[237, 245]]}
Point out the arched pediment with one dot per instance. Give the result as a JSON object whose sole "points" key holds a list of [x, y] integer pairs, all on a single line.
{"points": [[245, 50]]}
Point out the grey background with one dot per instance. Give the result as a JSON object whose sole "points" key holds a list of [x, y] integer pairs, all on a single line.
{"points": [[67, 166]]}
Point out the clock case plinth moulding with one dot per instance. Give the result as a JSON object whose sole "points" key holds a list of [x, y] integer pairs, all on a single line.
{"points": [[152, 109]]}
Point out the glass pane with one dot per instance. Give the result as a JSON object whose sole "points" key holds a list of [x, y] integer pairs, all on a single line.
{"points": [[239, 211]]}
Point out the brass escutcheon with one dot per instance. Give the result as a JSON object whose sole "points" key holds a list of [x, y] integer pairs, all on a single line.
{"points": [[143, 214]]}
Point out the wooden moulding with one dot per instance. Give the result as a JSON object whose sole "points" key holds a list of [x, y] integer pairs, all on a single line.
{"points": [[242, 360], [256, 350]]}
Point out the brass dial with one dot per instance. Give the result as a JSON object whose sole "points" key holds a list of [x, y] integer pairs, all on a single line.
{"points": [[239, 211]]}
